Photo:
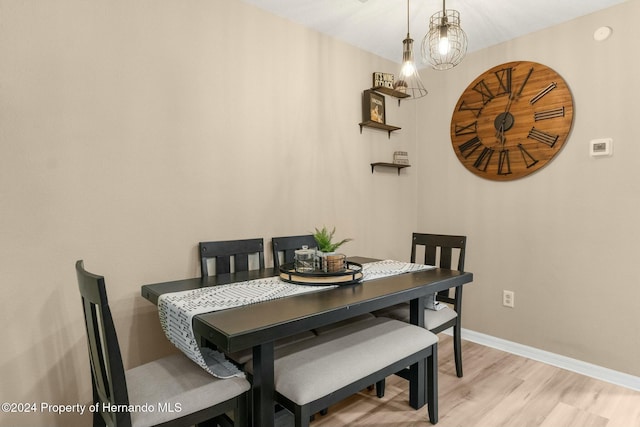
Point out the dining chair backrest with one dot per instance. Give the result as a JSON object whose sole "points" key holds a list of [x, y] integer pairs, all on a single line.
{"points": [[107, 371], [440, 250], [231, 255], [286, 246], [160, 382]]}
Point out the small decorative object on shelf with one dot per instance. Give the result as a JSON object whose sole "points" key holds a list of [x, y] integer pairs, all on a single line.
{"points": [[373, 112], [383, 80], [400, 158], [400, 86], [373, 107]]}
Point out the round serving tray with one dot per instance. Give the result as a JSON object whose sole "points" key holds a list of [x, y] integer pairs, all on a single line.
{"points": [[348, 276]]}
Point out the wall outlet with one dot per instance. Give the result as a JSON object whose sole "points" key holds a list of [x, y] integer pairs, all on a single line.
{"points": [[508, 298]]}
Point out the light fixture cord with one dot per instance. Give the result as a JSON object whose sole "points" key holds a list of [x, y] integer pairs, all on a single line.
{"points": [[407, 18]]}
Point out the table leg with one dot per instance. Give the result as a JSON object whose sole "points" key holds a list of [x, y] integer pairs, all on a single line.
{"points": [[416, 311], [417, 371], [263, 385]]}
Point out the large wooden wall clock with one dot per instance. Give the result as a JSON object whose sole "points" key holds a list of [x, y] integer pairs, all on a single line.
{"points": [[512, 120]]}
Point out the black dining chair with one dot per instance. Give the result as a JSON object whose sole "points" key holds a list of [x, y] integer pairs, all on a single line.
{"points": [[439, 250], [231, 255], [181, 393]]}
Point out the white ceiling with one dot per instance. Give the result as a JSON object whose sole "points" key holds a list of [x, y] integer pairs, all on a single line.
{"points": [[379, 26]]}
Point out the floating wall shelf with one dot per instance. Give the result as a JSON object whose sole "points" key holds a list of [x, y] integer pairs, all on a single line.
{"points": [[389, 165], [376, 125], [391, 92]]}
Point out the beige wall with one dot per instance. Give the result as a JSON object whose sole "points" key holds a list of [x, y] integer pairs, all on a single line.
{"points": [[565, 239], [132, 130]]}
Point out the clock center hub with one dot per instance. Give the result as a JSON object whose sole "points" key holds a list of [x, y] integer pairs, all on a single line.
{"points": [[504, 121]]}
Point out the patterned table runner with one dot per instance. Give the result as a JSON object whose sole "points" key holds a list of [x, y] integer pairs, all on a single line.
{"points": [[176, 309]]}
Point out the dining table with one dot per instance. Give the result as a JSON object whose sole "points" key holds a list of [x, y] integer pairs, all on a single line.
{"points": [[260, 325]]}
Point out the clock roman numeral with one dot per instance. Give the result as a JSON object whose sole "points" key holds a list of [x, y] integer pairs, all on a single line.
{"points": [[470, 146], [504, 81], [542, 93], [475, 110], [482, 88], [483, 159], [504, 165], [549, 114], [466, 129], [543, 137], [529, 160]]}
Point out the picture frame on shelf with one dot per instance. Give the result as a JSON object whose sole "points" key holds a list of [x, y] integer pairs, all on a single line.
{"points": [[373, 108]]}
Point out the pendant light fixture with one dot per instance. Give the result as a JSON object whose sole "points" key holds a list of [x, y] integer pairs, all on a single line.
{"points": [[409, 81], [445, 44]]}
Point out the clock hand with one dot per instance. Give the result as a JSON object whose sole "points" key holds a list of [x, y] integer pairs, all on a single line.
{"points": [[507, 108], [512, 97], [500, 135], [501, 120]]}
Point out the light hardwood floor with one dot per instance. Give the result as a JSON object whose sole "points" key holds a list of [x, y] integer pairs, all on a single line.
{"points": [[498, 389]]}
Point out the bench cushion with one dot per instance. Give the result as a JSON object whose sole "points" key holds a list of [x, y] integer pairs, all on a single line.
{"points": [[306, 371]]}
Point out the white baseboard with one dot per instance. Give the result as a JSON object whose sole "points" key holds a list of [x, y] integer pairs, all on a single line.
{"points": [[574, 365]]}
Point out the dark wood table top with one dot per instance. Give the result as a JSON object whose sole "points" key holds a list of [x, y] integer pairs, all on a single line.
{"points": [[242, 327]]}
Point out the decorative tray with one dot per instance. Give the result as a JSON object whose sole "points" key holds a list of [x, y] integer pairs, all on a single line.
{"points": [[347, 276]]}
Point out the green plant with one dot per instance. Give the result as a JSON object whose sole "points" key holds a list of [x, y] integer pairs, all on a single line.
{"points": [[324, 239]]}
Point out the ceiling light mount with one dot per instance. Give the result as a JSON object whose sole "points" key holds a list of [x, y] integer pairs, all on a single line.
{"points": [[445, 45]]}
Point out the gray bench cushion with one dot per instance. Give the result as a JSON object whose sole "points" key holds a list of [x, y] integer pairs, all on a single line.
{"points": [[308, 370], [175, 380]]}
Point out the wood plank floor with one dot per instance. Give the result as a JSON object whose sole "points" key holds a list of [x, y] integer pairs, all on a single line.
{"points": [[498, 389]]}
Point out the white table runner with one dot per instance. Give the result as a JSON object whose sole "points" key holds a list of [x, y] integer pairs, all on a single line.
{"points": [[176, 309], [389, 267]]}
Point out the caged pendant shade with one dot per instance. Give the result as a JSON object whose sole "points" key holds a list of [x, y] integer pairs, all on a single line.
{"points": [[445, 44], [409, 81]]}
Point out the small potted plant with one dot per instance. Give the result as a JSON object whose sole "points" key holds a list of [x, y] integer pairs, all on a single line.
{"points": [[329, 261]]}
